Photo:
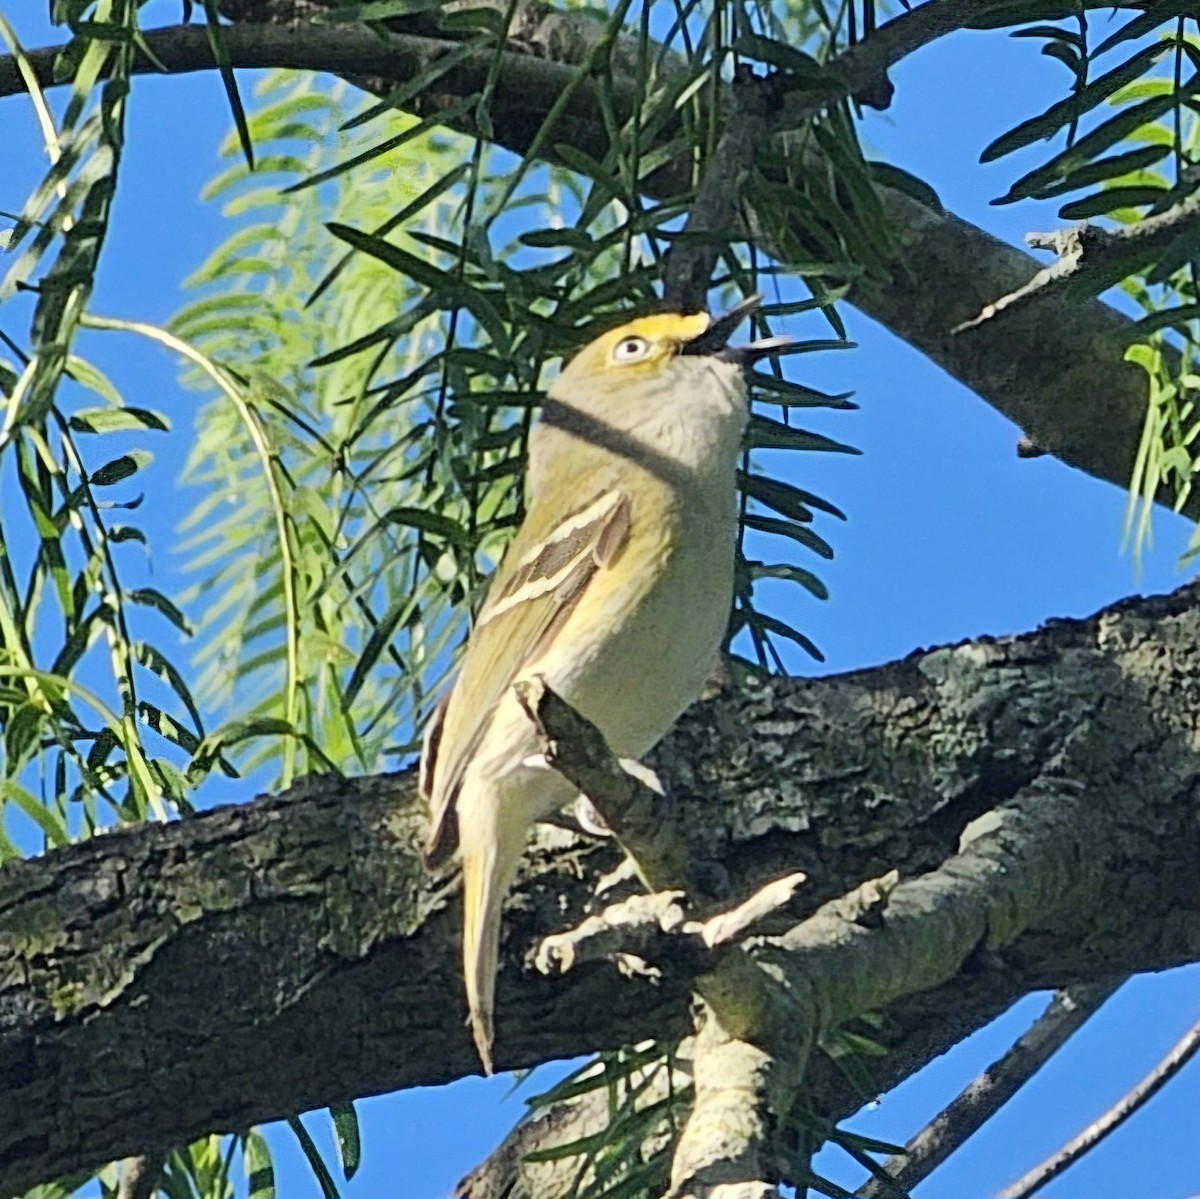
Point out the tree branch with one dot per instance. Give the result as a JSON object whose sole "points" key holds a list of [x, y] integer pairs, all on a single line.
{"points": [[311, 911], [1091, 258], [984, 1096], [1181, 1053]]}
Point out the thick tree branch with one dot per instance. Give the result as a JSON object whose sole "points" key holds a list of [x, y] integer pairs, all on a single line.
{"points": [[312, 912]]}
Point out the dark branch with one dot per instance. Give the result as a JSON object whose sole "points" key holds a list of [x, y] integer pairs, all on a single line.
{"points": [[984, 1096], [1181, 1053]]}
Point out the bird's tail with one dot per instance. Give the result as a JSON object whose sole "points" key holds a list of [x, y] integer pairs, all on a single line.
{"points": [[490, 857]]}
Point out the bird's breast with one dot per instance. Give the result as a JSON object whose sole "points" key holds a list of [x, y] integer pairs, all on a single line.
{"points": [[649, 634]]}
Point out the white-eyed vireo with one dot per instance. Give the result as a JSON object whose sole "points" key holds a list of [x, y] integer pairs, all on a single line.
{"points": [[617, 588]]}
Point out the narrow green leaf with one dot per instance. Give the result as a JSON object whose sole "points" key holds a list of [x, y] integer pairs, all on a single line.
{"points": [[898, 179], [257, 1164], [384, 147], [374, 10], [108, 420], [1054, 31], [1111, 167], [787, 528], [216, 39], [434, 523], [1021, 12], [554, 239], [44, 817], [787, 394], [315, 1160], [1155, 14], [767, 434], [163, 669], [786, 57], [415, 206], [1060, 115], [120, 468], [462, 20], [789, 574], [769, 624], [1115, 129], [405, 263], [151, 597], [1166, 319], [345, 1126], [784, 497], [1109, 199]]}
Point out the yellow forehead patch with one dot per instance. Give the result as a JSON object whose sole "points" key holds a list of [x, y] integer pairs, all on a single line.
{"points": [[669, 327], [664, 331]]}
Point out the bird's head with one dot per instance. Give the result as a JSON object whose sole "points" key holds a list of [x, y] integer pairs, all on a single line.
{"points": [[663, 346]]}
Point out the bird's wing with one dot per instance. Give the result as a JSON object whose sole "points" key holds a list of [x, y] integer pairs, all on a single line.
{"points": [[546, 570]]}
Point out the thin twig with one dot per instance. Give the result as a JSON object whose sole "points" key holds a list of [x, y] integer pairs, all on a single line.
{"points": [[1091, 258], [964, 1115], [1090, 1137]]}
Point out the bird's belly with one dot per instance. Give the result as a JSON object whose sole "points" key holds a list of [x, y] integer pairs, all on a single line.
{"points": [[643, 665], [637, 665]]}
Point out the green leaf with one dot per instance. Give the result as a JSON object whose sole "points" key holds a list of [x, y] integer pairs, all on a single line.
{"points": [[787, 528], [767, 434], [109, 420], [411, 209], [434, 523], [1115, 129], [777, 628], [47, 820], [257, 1164], [162, 668], [1067, 54], [1155, 13], [345, 1126], [1108, 200], [1021, 12], [784, 497], [465, 19], [374, 10], [384, 147], [216, 39], [1166, 319], [790, 574], [315, 1160], [167, 727], [1111, 167], [151, 597], [1054, 31], [120, 468], [417, 269], [795, 395], [786, 57], [554, 239], [898, 179], [1059, 116]]}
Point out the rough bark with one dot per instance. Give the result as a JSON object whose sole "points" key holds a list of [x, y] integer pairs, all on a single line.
{"points": [[160, 982]]}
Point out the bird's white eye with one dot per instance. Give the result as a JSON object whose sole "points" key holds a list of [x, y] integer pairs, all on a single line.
{"points": [[630, 349]]}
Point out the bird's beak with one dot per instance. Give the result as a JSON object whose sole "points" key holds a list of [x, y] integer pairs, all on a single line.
{"points": [[713, 340]]}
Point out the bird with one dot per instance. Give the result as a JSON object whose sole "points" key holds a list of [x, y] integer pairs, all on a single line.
{"points": [[616, 589]]}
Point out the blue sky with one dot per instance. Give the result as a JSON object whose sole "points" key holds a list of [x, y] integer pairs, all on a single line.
{"points": [[949, 536]]}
